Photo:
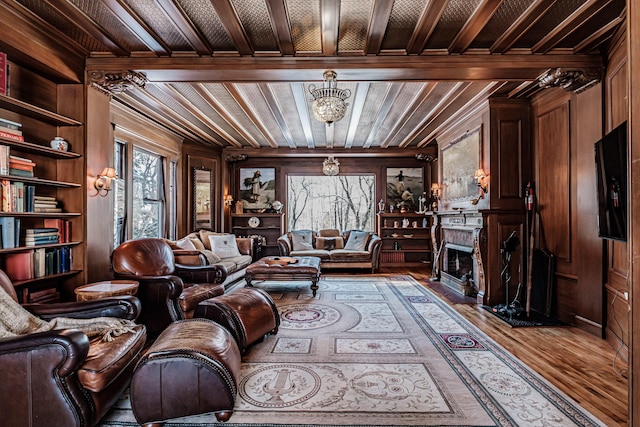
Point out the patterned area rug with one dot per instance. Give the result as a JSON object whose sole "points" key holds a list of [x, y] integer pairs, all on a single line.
{"points": [[380, 351]]}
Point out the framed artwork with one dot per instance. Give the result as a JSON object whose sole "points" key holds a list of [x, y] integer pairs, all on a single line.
{"points": [[404, 188], [257, 188], [459, 161], [202, 214]]}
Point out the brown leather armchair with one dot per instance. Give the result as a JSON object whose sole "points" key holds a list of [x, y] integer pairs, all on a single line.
{"points": [[168, 291], [61, 377]]}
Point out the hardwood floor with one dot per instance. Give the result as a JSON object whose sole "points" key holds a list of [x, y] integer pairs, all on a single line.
{"points": [[583, 366]]}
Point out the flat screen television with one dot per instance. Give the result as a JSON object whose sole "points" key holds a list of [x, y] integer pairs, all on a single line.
{"points": [[611, 179]]}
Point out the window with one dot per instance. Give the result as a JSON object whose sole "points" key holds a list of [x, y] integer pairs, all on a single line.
{"points": [[148, 195], [120, 194], [342, 202]]}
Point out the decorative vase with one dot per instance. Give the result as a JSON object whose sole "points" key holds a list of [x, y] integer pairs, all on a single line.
{"points": [[58, 143]]}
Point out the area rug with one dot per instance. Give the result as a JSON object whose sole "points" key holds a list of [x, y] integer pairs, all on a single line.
{"points": [[380, 351]]}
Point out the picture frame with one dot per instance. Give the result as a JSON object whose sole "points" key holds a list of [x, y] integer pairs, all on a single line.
{"points": [[459, 161], [404, 187], [202, 193], [257, 188]]}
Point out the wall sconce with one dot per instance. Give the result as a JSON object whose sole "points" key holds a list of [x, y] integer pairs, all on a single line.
{"points": [[228, 200], [103, 181], [481, 177]]}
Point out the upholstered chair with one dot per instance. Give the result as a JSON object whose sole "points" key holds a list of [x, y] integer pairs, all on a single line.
{"points": [[168, 291], [61, 377]]}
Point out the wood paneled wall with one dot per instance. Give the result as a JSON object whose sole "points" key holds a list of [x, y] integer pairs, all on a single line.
{"points": [[617, 260], [565, 127]]}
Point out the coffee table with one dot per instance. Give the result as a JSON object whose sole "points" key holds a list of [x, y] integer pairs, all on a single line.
{"points": [[107, 288], [302, 269]]}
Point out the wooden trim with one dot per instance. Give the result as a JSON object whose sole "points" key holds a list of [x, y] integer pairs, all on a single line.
{"points": [[474, 25]]}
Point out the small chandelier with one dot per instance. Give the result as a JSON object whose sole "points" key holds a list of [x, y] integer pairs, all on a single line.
{"points": [[331, 167], [328, 101]]}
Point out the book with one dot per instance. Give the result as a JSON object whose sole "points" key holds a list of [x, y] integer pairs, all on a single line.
{"points": [[10, 124], [5, 186], [7, 135], [47, 210], [4, 78], [39, 262], [21, 160], [44, 230], [20, 172], [8, 230], [4, 159], [10, 130], [62, 226], [19, 265]]}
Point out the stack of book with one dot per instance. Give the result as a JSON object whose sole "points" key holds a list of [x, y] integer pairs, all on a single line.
{"points": [[45, 204], [11, 130], [62, 225], [40, 236], [20, 166], [38, 262], [45, 295]]}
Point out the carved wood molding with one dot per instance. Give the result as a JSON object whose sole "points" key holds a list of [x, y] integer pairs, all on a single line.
{"points": [[114, 83], [574, 80]]}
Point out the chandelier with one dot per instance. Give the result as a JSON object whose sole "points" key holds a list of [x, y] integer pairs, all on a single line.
{"points": [[328, 101], [331, 167]]}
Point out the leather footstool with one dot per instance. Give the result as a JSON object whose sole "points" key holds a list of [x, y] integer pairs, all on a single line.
{"points": [[192, 368], [248, 313]]}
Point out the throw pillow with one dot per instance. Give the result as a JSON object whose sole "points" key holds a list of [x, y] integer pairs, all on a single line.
{"points": [[357, 241], [185, 243], [329, 243], [329, 232], [210, 256], [224, 246], [197, 243], [302, 240]]}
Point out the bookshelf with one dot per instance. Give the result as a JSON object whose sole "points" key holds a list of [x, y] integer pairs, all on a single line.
{"points": [[48, 271], [406, 239], [269, 225]]}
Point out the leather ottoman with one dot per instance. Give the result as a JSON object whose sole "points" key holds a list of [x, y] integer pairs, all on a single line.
{"points": [[192, 368], [248, 313]]}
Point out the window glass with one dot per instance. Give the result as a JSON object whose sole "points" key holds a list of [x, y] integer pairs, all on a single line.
{"points": [[148, 200], [344, 202]]}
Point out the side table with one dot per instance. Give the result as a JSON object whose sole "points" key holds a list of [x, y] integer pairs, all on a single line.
{"points": [[107, 288]]}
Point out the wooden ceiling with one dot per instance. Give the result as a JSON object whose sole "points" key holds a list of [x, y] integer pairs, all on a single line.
{"points": [[235, 74]]}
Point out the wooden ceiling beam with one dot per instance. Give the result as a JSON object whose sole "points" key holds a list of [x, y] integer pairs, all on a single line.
{"points": [[385, 107], [378, 25], [409, 110], [569, 25], [427, 23], [249, 111], [233, 26], [531, 15], [329, 22], [361, 92], [137, 26], [87, 26], [362, 68], [184, 25], [598, 37], [474, 25], [300, 98], [280, 23], [210, 99], [265, 89]]}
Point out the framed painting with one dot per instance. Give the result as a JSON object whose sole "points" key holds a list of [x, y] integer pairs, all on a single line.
{"points": [[404, 188], [459, 161], [257, 188], [202, 213]]}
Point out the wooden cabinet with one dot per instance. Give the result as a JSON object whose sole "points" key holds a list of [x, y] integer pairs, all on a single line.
{"points": [[406, 239], [58, 177], [269, 226]]}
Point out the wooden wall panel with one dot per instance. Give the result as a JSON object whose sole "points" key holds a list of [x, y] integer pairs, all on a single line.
{"points": [[552, 129], [510, 143]]}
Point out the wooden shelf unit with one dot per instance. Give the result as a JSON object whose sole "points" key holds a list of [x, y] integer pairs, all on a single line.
{"points": [[58, 174], [271, 227], [406, 246]]}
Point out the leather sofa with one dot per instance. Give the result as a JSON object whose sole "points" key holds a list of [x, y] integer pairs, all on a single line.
{"points": [[195, 249], [61, 377], [347, 249]]}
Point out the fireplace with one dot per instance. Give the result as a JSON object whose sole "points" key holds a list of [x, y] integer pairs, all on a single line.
{"points": [[461, 259]]}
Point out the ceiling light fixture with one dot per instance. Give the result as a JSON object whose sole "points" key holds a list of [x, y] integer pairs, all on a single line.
{"points": [[331, 167], [328, 101]]}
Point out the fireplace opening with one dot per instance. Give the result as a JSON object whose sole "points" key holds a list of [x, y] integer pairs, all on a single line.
{"points": [[458, 268]]}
